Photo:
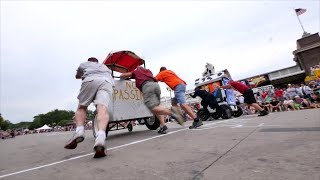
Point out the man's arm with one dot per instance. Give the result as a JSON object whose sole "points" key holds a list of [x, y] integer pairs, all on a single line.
{"points": [[79, 74], [227, 86], [126, 75], [159, 77], [195, 94]]}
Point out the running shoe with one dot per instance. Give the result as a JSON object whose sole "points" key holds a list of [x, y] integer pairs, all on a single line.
{"points": [[99, 147], [163, 130], [263, 113], [196, 123], [78, 137]]}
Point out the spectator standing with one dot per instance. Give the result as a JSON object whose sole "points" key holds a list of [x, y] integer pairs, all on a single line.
{"points": [[288, 103]]}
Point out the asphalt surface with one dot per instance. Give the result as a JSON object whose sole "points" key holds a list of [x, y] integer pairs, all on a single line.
{"points": [[284, 145]]}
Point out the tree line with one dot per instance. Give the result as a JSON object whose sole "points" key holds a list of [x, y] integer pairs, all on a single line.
{"points": [[52, 118]]}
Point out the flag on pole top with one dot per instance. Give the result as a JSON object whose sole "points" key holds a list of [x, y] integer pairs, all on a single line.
{"points": [[300, 11]]}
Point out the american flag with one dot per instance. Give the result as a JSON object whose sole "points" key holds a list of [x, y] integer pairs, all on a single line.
{"points": [[300, 11]]}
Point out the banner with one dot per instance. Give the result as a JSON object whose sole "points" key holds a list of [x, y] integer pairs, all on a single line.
{"points": [[128, 101], [231, 100]]}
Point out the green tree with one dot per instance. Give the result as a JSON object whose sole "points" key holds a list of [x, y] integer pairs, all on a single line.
{"points": [[51, 118], [19, 125], [4, 124], [90, 114]]}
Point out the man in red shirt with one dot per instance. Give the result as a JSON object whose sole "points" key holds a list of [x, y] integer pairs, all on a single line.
{"points": [[150, 89], [247, 94]]}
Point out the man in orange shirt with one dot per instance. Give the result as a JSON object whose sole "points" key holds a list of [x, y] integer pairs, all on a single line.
{"points": [[179, 87]]}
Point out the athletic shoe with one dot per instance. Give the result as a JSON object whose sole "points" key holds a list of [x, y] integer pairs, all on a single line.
{"points": [[263, 113], [99, 147], [176, 115], [163, 130], [73, 142], [196, 123]]}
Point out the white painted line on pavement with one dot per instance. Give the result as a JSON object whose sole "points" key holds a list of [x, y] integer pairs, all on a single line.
{"points": [[52, 134], [77, 157], [210, 127], [113, 148], [240, 125]]}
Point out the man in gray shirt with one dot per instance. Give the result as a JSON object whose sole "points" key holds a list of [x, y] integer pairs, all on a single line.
{"points": [[97, 87]]}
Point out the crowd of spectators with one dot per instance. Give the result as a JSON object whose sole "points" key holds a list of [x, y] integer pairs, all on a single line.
{"points": [[290, 98]]}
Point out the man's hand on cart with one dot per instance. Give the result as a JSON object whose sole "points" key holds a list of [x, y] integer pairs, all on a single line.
{"points": [[227, 86], [126, 75]]}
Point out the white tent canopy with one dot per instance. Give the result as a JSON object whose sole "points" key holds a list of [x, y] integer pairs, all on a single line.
{"points": [[44, 127]]}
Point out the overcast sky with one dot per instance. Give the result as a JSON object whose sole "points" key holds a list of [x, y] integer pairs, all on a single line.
{"points": [[42, 43]]}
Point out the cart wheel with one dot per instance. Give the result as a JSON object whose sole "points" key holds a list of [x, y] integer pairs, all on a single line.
{"points": [[215, 115], [203, 114], [227, 112], [130, 127], [95, 127], [152, 123], [238, 113]]}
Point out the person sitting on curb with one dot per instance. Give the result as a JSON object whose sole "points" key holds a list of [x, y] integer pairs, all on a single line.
{"points": [[301, 103], [315, 100]]}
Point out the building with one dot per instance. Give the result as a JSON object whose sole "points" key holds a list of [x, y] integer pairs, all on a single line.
{"points": [[307, 53], [306, 56]]}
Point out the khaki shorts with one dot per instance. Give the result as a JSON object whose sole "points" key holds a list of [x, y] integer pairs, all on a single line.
{"points": [[98, 91], [151, 94]]}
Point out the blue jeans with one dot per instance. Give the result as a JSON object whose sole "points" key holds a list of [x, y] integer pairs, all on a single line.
{"points": [[179, 94]]}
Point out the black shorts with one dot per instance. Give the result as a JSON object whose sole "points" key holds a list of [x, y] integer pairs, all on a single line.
{"points": [[249, 96]]}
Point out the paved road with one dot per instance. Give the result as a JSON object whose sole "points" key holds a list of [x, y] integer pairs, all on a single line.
{"points": [[282, 145]]}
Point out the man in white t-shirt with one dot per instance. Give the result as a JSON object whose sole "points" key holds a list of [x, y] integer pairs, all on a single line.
{"points": [[97, 87]]}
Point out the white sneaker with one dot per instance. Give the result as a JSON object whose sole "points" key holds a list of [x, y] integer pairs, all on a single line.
{"points": [[78, 137], [99, 147]]}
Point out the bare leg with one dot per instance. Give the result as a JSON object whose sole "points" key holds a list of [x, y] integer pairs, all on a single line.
{"points": [[255, 105], [80, 115], [102, 122], [80, 118], [102, 117], [188, 110], [161, 119], [160, 111]]}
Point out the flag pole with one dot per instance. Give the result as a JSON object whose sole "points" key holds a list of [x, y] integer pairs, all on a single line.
{"points": [[300, 22]]}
